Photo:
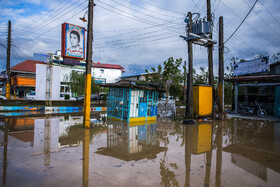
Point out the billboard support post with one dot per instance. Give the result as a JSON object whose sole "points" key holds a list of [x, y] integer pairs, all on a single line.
{"points": [[87, 92]]}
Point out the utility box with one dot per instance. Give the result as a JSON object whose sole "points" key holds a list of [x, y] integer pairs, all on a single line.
{"points": [[202, 100]]}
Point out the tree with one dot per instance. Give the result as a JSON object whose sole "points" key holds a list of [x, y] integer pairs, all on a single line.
{"points": [[201, 78], [169, 77], [77, 83]]}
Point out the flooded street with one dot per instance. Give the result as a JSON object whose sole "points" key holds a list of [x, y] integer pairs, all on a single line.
{"points": [[58, 151]]}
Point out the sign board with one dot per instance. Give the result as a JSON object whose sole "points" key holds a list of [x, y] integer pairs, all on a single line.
{"points": [[3, 76], [73, 41], [251, 66], [71, 61]]}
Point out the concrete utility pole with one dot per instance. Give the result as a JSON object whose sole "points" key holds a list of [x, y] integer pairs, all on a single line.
{"points": [[189, 108], [8, 84], [221, 69], [210, 52], [87, 92], [49, 80]]}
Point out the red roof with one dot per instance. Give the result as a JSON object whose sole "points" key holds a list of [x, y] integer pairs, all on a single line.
{"points": [[109, 66], [27, 66]]}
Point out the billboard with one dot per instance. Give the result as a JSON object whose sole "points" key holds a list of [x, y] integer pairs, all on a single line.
{"points": [[73, 41], [251, 66]]}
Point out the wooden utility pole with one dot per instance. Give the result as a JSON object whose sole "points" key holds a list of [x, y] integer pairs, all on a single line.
{"points": [[184, 88], [221, 69], [210, 52], [87, 93], [8, 84], [189, 108]]}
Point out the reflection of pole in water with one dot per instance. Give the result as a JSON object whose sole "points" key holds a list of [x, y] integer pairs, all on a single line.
{"points": [[219, 154], [86, 157], [188, 139], [5, 152], [208, 164], [47, 142]]}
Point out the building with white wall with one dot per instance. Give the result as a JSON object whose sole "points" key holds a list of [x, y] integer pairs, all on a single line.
{"points": [[24, 73]]}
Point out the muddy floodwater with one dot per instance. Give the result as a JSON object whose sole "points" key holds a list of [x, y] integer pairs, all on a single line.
{"points": [[58, 151]]}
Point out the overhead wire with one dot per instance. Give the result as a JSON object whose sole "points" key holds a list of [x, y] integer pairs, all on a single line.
{"points": [[227, 33], [20, 49], [118, 3], [156, 12], [38, 36], [247, 23], [49, 14], [140, 40], [263, 20], [241, 22], [135, 33], [131, 16], [269, 12], [161, 7], [15, 56], [44, 24]]}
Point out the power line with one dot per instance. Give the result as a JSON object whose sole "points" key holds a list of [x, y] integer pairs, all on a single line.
{"points": [[161, 7], [269, 12], [47, 14], [15, 56], [139, 32], [150, 10], [263, 20], [141, 40], [244, 43], [136, 10], [20, 50], [133, 17], [140, 44], [247, 23], [38, 36], [44, 24]]}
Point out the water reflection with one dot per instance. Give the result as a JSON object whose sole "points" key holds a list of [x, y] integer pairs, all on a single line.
{"points": [[255, 147], [86, 141], [131, 141], [198, 140], [46, 135], [58, 148]]}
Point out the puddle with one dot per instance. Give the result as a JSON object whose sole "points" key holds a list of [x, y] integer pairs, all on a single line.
{"points": [[58, 151]]}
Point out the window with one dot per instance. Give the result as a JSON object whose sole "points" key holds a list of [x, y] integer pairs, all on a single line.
{"points": [[61, 88]]}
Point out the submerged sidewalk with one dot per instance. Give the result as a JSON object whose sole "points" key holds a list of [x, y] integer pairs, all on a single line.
{"points": [[29, 110]]}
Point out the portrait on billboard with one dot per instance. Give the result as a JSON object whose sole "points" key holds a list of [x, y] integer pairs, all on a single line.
{"points": [[73, 41]]}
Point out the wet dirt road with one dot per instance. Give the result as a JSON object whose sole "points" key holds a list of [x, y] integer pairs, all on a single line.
{"points": [[58, 151]]}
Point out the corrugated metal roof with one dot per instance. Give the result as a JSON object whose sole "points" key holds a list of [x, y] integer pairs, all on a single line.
{"points": [[109, 66], [253, 78], [27, 66]]}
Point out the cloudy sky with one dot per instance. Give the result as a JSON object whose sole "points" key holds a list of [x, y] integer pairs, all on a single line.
{"points": [[139, 34]]}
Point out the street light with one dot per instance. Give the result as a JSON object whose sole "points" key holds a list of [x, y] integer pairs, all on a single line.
{"points": [[83, 18]]}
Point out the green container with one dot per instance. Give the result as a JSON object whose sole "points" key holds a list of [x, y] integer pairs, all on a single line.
{"points": [[277, 102]]}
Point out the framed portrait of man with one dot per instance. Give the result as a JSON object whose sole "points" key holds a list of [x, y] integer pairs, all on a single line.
{"points": [[73, 41]]}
